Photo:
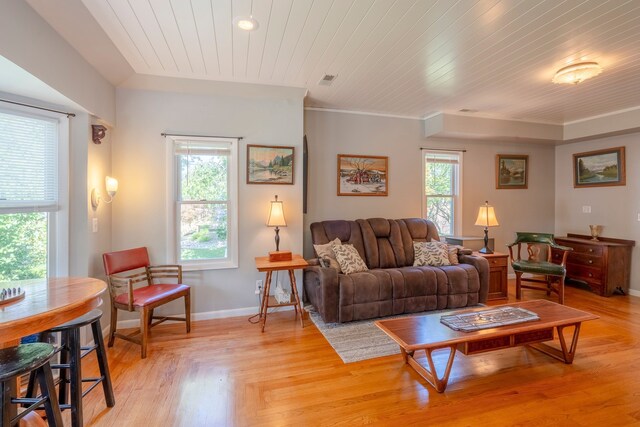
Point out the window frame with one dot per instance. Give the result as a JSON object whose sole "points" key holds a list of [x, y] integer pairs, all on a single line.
{"points": [[57, 219], [174, 204], [457, 188]]}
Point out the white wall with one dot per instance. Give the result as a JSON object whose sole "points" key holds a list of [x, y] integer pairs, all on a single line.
{"points": [[139, 211], [333, 133], [28, 41], [615, 208]]}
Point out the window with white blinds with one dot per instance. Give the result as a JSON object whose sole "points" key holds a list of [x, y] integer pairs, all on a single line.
{"points": [[34, 205], [442, 195], [29, 163], [205, 195]]}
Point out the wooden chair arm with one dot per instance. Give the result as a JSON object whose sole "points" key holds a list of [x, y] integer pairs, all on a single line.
{"points": [[118, 282]]}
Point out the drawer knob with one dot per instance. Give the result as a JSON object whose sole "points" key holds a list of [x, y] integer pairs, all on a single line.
{"points": [[590, 274], [590, 250], [590, 261]]}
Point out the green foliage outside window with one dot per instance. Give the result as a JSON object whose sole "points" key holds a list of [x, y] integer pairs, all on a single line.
{"points": [[23, 246], [439, 190]]}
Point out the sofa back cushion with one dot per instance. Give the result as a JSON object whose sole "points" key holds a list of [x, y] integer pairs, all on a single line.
{"points": [[347, 231], [383, 244]]}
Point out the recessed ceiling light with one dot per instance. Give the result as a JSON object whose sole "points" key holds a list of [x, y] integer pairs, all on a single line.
{"points": [[576, 73], [246, 23]]}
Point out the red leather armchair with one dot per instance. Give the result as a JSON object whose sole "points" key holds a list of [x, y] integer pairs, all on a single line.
{"points": [[144, 299]]}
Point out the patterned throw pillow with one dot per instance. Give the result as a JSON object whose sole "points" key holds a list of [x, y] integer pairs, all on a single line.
{"points": [[349, 259], [430, 253], [452, 251], [326, 251]]}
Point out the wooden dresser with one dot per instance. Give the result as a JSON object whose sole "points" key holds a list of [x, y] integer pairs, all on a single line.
{"points": [[604, 265]]}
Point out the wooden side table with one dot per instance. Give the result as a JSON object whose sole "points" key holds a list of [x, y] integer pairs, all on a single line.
{"points": [[498, 268], [268, 301]]}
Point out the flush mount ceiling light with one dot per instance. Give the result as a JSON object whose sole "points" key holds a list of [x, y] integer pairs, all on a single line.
{"points": [[576, 73], [247, 23]]}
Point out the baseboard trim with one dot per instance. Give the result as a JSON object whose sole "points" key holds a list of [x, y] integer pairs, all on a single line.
{"points": [[218, 314], [634, 293]]}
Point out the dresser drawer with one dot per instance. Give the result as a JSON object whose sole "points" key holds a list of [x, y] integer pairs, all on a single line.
{"points": [[587, 274], [579, 248], [584, 259]]}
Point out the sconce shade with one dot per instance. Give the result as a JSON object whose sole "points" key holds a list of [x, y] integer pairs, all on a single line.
{"points": [[112, 185], [487, 216], [276, 215]]}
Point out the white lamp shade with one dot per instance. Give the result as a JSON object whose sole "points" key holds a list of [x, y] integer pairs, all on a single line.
{"points": [[112, 185], [487, 217], [276, 215]]}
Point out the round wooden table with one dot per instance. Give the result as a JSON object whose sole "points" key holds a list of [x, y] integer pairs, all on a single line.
{"points": [[47, 303]]}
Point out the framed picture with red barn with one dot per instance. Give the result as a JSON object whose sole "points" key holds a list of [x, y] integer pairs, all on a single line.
{"points": [[363, 175]]}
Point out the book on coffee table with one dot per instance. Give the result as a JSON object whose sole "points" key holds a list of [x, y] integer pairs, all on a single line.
{"points": [[485, 319]]}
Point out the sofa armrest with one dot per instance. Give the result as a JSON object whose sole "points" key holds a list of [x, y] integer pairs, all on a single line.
{"points": [[482, 265], [321, 289]]}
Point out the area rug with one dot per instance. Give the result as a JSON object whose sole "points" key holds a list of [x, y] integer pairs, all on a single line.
{"points": [[355, 341], [360, 340]]}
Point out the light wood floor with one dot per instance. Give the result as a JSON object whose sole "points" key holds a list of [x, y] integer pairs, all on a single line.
{"points": [[228, 373]]}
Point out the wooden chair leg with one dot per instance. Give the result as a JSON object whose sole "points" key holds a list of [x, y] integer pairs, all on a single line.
{"points": [[150, 317], [187, 310], [103, 364], [114, 325], [518, 285], [549, 280], [144, 331], [561, 290]]}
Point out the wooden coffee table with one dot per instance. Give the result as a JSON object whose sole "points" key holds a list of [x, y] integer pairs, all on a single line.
{"points": [[428, 334]]}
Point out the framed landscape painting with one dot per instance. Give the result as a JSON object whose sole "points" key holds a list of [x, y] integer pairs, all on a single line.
{"points": [[270, 164], [599, 168], [362, 175], [512, 171]]}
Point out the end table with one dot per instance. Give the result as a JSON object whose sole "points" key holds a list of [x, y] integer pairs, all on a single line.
{"points": [[498, 268], [268, 301]]}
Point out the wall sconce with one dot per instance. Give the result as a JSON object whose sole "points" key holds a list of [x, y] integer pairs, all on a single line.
{"points": [[111, 185], [97, 133]]}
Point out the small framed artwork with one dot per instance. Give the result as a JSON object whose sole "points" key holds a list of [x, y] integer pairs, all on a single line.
{"points": [[270, 164], [599, 168], [512, 171], [362, 175]]}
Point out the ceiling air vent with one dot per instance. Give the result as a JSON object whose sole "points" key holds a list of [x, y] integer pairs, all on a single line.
{"points": [[327, 79]]}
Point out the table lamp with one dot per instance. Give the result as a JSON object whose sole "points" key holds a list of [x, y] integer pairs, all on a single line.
{"points": [[276, 219], [486, 218]]}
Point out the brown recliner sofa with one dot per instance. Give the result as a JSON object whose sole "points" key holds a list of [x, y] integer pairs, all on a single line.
{"points": [[392, 285]]}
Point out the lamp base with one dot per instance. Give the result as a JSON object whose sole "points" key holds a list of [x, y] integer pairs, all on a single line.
{"points": [[280, 256], [485, 250]]}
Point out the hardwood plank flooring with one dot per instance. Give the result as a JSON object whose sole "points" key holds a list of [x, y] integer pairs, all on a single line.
{"points": [[228, 373]]}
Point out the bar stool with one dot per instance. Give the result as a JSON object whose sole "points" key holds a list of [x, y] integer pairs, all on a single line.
{"points": [[71, 355], [17, 361]]}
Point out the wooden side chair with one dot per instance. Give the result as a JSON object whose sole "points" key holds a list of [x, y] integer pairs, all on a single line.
{"points": [[144, 299], [553, 274]]}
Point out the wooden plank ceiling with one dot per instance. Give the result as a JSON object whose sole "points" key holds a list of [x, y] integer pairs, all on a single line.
{"points": [[401, 57]]}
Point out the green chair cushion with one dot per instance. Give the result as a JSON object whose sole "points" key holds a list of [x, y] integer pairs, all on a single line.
{"points": [[540, 267]]}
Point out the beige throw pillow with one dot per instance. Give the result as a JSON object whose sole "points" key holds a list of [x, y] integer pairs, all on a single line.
{"points": [[430, 253], [452, 252], [326, 251], [349, 259]]}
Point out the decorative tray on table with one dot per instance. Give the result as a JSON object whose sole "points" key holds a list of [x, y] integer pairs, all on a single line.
{"points": [[485, 319], [8, 295]]}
